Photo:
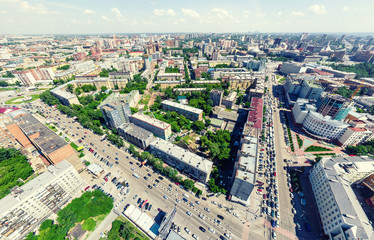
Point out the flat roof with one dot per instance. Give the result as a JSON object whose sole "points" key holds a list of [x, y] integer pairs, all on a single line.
{"points": [[338, 171], [9, 201], [95, 168], [182, 106], [134, 130], [183, 155], [152, 121], [255, 112], [44, 137]]}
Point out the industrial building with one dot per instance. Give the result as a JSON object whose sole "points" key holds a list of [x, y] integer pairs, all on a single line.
{"points": [[185, 161], [27, 206], [191, 113], [135, 135], [340, 211], [159, 128]]}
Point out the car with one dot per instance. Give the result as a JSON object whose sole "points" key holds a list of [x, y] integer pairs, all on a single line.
{"points": [[159, 209], [146, 206], [272, 223], [201, 216], [202, 229], [294, 211], [197, 202], [259, 190], [150, 187], [155, 185], [217, 221], [189, 213], [222, 237], [170, 189], [177, 200], [207, 209], [215, 203], [291, 190], [274, 235], [145, 178], [227, 235], [221, 217], [194, 236], [298, 226], [139, 200], [188, 231], [166, 197], [211, 230], [161, 178], [235, 215], [192, 204]]}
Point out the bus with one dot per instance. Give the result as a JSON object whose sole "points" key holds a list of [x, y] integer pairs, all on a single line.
{"points": [[80, 148], [143, 204]]}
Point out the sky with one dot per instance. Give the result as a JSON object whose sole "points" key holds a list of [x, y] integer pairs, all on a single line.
{"points": [[168, 16]]}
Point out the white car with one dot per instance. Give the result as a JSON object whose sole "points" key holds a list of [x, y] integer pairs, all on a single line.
{"points": [[201, 216], [188, 231], [189, 213], [212, 230], [227, 235], [207, 209], [236, 215], [166, 197], [215, 203], [194, 236]]}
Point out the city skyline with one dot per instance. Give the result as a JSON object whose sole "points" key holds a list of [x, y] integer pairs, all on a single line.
{"points": [[52, 17]]}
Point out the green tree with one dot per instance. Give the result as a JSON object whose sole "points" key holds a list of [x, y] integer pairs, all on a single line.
{"points": [[134, 110], [189, 184], [198, 126], [89, 224]]}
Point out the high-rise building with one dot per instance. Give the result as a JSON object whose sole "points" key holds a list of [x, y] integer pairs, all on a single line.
{"points": [[216, 56], [216, 96], [116, 109], [277, 41], [335, 106], [340, 210], [304, 36]]}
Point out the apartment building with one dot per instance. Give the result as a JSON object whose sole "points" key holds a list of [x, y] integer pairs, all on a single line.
{"points": [[27, 206], [159, 128], [191, 113], [340, 212], [354, 136], [189, 163], [135, 135], [216, 96]]}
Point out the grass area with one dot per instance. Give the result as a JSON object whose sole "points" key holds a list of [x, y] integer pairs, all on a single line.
{"points": [[67, 139], [145, 100], [12, 101], [186, 139], [282, 80], [73, 145], [300, 142], [53, 128], [316, 149], [124, 229], [324, 154], [290, 135]]}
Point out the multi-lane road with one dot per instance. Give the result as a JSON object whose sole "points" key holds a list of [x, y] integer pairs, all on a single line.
{"points": [[126, 166]]}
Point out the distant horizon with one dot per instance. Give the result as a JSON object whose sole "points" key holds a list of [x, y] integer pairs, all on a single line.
{"points": [[149, 16]]}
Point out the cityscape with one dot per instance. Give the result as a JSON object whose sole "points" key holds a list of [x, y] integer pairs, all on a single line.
{"points": [[182, 121]]}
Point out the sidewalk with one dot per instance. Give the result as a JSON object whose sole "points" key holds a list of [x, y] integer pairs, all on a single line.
{"points": [[105, 225]]}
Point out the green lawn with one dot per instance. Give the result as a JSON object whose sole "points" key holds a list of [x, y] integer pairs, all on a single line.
{"points": [[299, 141], [317, 149], [123, 229], [12, 101]]}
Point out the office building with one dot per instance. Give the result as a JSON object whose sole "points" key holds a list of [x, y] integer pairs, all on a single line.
{"points": [[288, 68], [27, 206], [66, 98], [189, 163], [116, 109], [340, 211], [323, 127], [215, 56], [216, 96], [310, 89], [191, 113], [135, 135], [335, 106], [354, 136], [301, 109], [159, 128]]}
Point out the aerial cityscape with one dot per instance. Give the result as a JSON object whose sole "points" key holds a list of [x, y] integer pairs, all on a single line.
{"points": [[183, 121]]}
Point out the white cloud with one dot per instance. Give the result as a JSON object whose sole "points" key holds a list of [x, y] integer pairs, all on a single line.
{"points": [[161, 12], [297, 14], [105, 18], [260, 14], [279, 13], [246, 13], [37, 8], [170, 12], [190, 13], [117, 13], [345, 8], [88, 11], [318, 9], [222, 13]]}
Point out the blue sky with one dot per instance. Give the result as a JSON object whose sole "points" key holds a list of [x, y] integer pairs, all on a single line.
{"points": [[124, 16]]}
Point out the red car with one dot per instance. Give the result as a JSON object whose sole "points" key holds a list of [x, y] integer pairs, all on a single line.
{"points": [[264, 196], [275, 174], [291, 190], [259, 190], [86, 188], [177, 184], [106, 179], [85, 132], [306, 161]]}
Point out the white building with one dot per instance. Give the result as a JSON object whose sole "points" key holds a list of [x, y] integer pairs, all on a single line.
{"points": [[25, 77], [354, 136], [288, 68], [26, 206], [340, 212], [301, 110], [323, 127]]}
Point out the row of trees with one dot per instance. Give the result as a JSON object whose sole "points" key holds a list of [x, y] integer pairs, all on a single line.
{"points": [[171, 70], [362, 149], [124, 230], [176, 120], [215, 187], [362, 69], [13, 168], [138, 83], [84, 208]]}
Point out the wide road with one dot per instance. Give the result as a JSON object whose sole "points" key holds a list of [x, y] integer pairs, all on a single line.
{"points": [[125, 168]]}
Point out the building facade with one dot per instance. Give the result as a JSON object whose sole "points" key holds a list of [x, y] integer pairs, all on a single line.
{"points": [[159, 128], [354, 136], [340, 211], [191, 113], [189, 163], [135, 135], [216, 96], [335, 106]]}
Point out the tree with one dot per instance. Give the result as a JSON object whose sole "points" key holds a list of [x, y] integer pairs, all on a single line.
{"points": [[198, 126], [214, 150], [104, 88], [134, 110], [189, 184], [89, 224], [70, 88], [3, 84]]}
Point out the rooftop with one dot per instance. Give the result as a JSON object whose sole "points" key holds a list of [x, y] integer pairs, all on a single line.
{"points": [[183, 155], [255, 112], [134, 130], [182, 106], [152, 121]]}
